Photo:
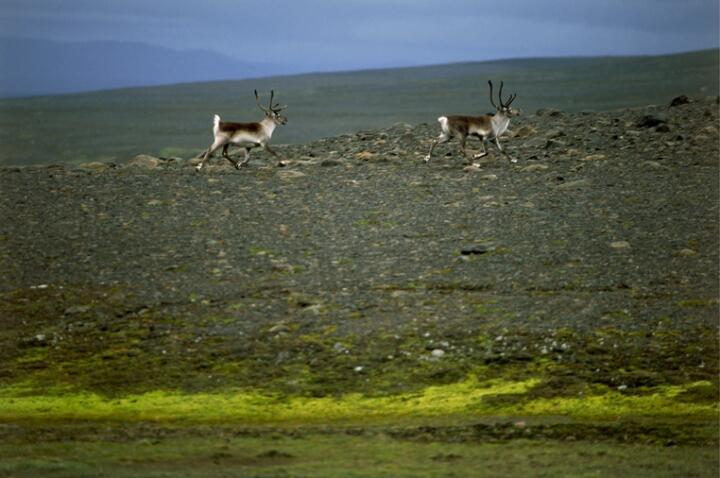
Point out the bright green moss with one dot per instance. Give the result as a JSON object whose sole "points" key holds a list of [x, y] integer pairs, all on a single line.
{"points": [[466, 398]]}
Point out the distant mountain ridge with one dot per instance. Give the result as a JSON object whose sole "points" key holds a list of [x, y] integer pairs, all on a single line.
{"points": [[30, 67]]}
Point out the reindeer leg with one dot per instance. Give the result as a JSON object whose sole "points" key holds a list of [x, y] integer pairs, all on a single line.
{"points": [[244, 162], [484, 150], [462, 148], [443, 138], [227, 156], [267, 148], [216, 144], [497, 143]]}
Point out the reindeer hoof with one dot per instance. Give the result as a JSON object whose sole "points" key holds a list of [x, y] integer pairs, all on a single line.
{"points": [[198, 167]]}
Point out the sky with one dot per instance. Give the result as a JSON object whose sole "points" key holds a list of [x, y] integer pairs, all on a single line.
{"points": [[322, 35]]}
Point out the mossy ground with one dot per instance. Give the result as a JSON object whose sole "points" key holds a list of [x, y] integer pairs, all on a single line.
{"points": [[106, 361], [338, 296], [344, 455]]}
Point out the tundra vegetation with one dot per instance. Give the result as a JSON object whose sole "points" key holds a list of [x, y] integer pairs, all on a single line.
{"points": [[358, 312]]}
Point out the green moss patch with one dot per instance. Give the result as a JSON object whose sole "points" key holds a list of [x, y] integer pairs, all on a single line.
{"points": [[468, 398]]}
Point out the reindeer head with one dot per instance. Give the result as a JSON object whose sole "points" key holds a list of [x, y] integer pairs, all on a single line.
{"points": [[504, 107], [272, 111]]}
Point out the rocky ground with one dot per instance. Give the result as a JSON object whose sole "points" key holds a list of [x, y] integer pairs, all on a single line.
{"points": [[591, 264]]}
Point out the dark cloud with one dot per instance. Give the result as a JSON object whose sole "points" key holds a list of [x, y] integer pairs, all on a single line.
{"points": [[328, 34]]}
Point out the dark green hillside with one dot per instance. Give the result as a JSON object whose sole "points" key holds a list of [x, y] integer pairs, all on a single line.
{"points": [[176, 120]]}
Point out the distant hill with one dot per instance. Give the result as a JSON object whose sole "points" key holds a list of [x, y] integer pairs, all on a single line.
{"points": [[176, 120], [42, 67]]}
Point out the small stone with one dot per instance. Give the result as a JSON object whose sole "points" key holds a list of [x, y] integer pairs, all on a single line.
{"points": [[687, 252], [620, 245], [279, 328], [437, 353], [145, 161], [594, 157], [555, 133], [680, 100], [365, 155], [474, 249], [553, 143], [358, 369], [622, 388], [407, 138], [549, 112], [95, 166], [653, 165], [489, 177], [651, 120], [535, 167], [76, 309], [580, 183], [524, 132], [290, 174], [330, 162]]}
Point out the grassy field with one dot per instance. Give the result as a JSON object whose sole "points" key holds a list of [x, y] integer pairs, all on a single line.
{"points": [[222, 454], [176, 120]]}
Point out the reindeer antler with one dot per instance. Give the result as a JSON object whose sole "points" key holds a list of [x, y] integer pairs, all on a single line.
{"points": [[257, 100], [510, 100], [491, 98]]}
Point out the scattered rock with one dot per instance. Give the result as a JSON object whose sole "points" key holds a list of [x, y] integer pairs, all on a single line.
{"points": [[475, 249], [552, 112], [687, 252], [620, 245], [437, 353], [407, 139], [524, 132], [290, 174], [651, 120], [580, 183], [679, 100], [365, 155], [280, 328], [39, 340], [555, 133], [535, 167], [76, 309], [653, 165], [553, 144], [95, 166], [330, 162], [594, 157], [145, 161]]}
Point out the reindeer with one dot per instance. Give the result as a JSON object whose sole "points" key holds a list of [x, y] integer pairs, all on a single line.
{"points": [[485, 127], [246, 135]]}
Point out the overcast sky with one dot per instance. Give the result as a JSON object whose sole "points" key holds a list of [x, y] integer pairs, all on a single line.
{"points": [[349, 34]]}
